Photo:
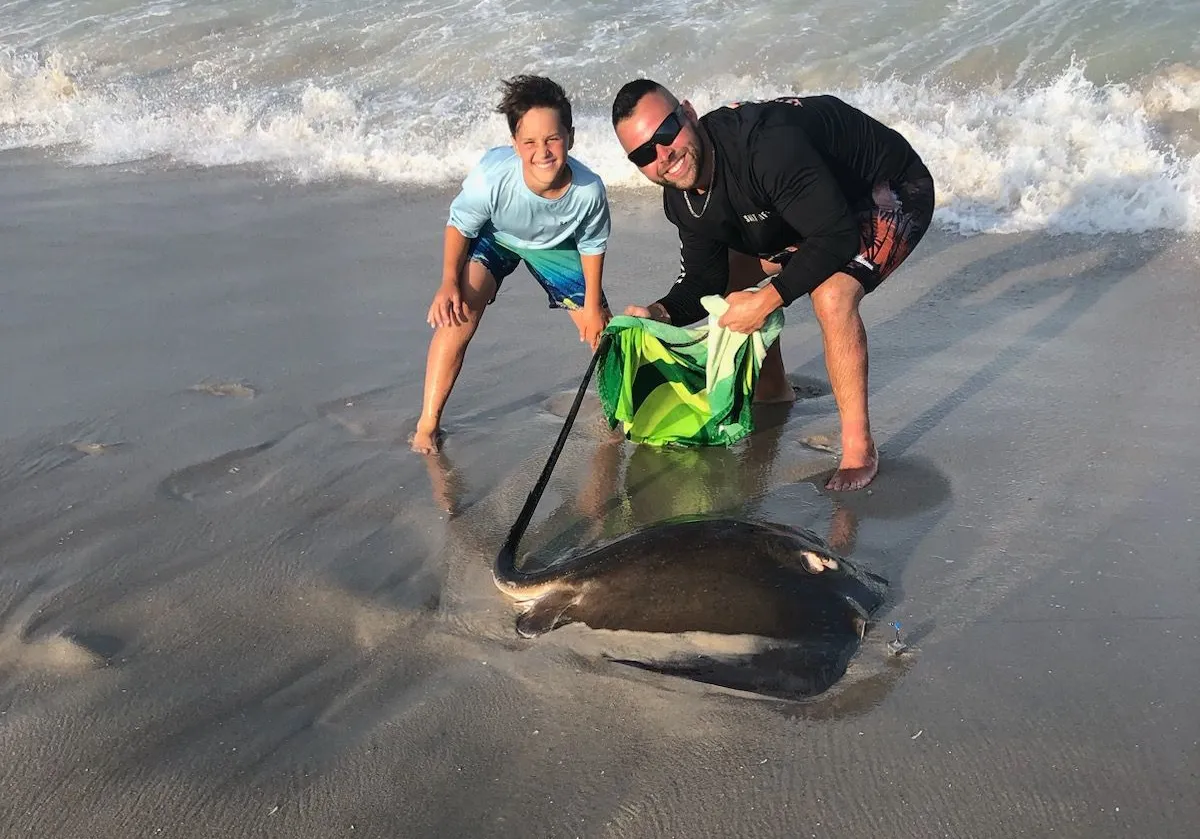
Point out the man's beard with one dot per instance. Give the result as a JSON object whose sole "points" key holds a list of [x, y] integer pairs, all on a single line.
{"points": [[698, 157]]}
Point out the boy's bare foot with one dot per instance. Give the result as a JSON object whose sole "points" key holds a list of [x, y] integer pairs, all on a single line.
{"points": [[857, 469], [426, 441]]}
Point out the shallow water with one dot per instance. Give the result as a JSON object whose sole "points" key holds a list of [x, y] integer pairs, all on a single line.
{"points": [[1049, 115]]}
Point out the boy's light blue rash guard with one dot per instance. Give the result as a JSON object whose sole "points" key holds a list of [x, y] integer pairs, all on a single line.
{"points": [[495, 191]]}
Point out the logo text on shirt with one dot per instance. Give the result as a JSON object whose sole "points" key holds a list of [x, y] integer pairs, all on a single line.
{"points": [[753, 217]]}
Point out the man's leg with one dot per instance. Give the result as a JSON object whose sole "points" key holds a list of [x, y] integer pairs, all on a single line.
{"points": [[447, 349], [773, 385], [835, 303]]}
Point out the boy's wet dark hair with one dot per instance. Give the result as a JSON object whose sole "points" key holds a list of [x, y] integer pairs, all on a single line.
{"points": [[524, 92], [628, 97]]}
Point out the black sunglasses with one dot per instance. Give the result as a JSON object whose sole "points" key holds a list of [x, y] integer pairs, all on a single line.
{"points": [[664, 135]]}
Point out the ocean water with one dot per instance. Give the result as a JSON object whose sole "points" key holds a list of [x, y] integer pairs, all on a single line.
{"points": [[1060, 115]]}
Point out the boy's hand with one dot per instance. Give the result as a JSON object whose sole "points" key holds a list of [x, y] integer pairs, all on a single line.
{"points": [[591, 323], [448, 307]]}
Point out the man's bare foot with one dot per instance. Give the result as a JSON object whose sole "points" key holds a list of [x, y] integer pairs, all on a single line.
{"points": [[855, 471], [426, 441], [770, 393]]}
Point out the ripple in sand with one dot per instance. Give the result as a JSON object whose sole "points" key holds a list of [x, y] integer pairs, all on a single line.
{"points": [[42, 458], [239, 389], [94, 448], [62, 652], [822, 443]]}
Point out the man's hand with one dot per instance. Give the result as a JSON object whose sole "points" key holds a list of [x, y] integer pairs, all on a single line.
{"points": [[654, 311], [448, 307], [748, 310], [591, 323]]}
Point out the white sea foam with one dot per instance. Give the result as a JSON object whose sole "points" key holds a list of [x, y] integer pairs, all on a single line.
{"points": [[1067, 155]]}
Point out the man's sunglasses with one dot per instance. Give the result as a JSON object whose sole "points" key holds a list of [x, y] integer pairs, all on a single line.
{"points": [[664, 135]]}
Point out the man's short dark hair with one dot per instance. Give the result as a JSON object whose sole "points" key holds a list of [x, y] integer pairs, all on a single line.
{"points": [[524, 92], [628, 97]]}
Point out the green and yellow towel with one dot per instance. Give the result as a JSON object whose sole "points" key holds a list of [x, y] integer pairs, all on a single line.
{"points": [[682, 386]]}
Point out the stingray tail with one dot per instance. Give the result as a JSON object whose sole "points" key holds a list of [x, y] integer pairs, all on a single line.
{"points": [[508, 577], [864, 592]]}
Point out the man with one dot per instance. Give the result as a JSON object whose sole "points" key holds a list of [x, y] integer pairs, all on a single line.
{"points": [[808, 191]]}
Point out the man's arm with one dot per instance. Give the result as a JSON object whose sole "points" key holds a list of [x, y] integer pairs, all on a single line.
{"points": [[807, 196], [703, 270]]}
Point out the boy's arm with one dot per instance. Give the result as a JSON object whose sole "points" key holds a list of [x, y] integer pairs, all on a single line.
{"points": [[592, 242], [594, 317], [454, 255], [469, 211], [449, 308], [593, 282]]}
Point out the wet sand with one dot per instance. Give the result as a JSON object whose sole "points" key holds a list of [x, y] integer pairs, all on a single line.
{"points": [[232, 603]]}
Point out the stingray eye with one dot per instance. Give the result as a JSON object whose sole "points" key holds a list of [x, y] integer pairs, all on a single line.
{"points": [[817, 563]]}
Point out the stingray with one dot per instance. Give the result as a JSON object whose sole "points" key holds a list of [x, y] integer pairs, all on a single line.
{"points": [[699, 574], [803, 607], [794, 612]]}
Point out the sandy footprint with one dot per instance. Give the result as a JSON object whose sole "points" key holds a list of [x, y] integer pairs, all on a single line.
{"points": [[806, 388], [371, 416], [233, 474], [590, 420], [559, 404]]}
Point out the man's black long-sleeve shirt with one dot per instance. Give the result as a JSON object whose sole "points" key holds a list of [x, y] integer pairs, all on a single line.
{"points": [[789, 173]]}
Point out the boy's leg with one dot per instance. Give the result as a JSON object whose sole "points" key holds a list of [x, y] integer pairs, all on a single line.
{"points": [[773, 387], [447, 349]]}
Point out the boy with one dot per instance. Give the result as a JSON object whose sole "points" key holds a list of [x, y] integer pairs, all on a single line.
{"points": [[530, 202]]}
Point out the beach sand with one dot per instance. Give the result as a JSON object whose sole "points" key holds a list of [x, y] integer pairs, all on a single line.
{"points": [[232, 602]]}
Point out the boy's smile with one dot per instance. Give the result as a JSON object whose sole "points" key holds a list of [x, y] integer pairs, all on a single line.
{"points": [[542, 144]]}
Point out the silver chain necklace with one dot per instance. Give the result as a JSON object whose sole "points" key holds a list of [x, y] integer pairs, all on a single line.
{"points": [[707, 195], [688, 201]]}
